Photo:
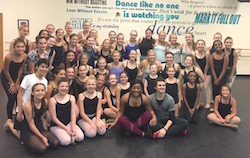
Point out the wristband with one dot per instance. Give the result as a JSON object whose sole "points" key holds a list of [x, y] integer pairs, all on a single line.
{"points": [[165, 129]]}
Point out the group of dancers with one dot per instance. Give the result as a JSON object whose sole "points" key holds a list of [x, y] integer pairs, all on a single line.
{"points": [[70, 85]]}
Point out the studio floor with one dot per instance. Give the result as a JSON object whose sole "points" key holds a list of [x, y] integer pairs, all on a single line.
{"points": [[203, 139]]}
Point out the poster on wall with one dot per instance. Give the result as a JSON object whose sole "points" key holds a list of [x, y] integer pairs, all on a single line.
{"points": [[22, 22]]}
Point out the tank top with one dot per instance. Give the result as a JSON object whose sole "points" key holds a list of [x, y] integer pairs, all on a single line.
{"points": [[224, 109], [185, 78], [201, 62], [160, 53], [124, 91], [108, 58], [27, 47], [165, 75], [145, 45], [54, 91], [134, 112], [76, 53], [37, 119], [128, 49], [63, 112], [146, 73], [80, 85], [112, 97], [91, 54], [172, 89], [218, 65], [191, 94], [231, 61], [151, 85], [185, 53], [122, 52], [13, 69], [64, 38], [132, 73], [177, 53], [116, 71], [58, 56], [90, 106]]}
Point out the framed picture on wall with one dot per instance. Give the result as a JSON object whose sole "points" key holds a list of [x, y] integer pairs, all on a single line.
{"points": [[22, 22]]}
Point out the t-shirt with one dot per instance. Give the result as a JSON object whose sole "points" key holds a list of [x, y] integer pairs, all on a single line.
{"points": [[27, 84], [162, 110]]}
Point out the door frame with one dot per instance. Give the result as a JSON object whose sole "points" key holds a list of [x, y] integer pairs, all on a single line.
{"points": [[1, 41]]}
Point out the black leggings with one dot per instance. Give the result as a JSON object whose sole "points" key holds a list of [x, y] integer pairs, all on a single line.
{"points": [[175, 129], [12, 98], [35, 144]]}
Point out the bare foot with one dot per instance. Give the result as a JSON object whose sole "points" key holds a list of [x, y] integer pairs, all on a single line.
{"points": [[207, 106], [7, 124]]}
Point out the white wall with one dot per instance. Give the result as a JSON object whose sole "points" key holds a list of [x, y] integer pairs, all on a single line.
{"points": [[41, 12]]}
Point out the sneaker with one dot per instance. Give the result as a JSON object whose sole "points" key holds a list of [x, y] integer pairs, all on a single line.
{"points": [[184, 132], [155, 134], [207, 106]]}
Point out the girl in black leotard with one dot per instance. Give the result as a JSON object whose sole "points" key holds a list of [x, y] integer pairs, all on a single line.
{"points": [[79, 81], [101, 67], [131, 66], [191, 97], [225, 109], [69, 30], [122, 87], [173, 87], [110, 93], [233, 58], [23, 33], [59, 48], [218, 62], [150, 80], [201, 57], [100, 87], [62, 109], [169, 57], [50, 44], [52, 88], [33, 133], [70, 74], [83, 60], [135, 112], [112, 38], [146, 43], [190, 66], [11, 74], [90, 109], [120, 45], [105, 51]]}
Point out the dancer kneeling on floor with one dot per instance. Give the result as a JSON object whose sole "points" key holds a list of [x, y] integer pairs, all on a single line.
{"points": [[62, 109], [33, 133], [135, 111], [225, 109], [90, 108], [163, 105]]}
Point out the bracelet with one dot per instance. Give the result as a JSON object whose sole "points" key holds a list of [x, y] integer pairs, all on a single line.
{"points": [[165, 129]]}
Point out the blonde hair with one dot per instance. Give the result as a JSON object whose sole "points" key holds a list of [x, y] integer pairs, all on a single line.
{"points": [[23, 26], [91, 77]]}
